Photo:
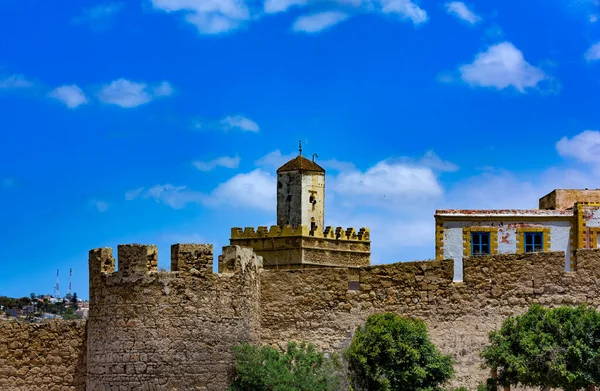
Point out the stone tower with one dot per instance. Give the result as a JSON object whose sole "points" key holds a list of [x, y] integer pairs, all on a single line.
{"points": [[300, 239], [301, 194]]}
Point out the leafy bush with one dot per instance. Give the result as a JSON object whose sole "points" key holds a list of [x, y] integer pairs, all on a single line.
{"points": [[394, 353], [300, 368], [547, 348]]}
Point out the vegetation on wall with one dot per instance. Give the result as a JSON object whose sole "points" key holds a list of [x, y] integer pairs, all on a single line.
{"points": [[394, 353], [300, 368], [546, 348]]}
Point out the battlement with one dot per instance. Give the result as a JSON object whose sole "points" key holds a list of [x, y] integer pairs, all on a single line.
{"points": [[135, 260], [338, 233]]}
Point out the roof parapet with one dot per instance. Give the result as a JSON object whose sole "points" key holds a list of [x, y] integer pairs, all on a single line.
{"points": [[338, 233]]}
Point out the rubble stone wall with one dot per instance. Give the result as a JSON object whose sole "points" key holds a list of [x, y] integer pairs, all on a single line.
{"points": [[42, 356]]}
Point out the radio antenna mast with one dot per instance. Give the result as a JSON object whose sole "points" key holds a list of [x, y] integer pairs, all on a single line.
{"points": [[56, 292]]}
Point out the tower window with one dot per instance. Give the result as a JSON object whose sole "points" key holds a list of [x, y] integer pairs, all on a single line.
{"points": [[313, 200], [480, 243], [534, 242]]}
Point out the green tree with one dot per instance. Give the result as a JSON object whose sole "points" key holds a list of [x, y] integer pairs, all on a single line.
{"points": [[75, 301], [300, 368], [394, 353], [547, 348]]}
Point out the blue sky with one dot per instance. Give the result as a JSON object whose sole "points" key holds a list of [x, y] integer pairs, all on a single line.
{"points": [[163, 121]]}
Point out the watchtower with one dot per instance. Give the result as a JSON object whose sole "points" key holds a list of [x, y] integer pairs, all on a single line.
{"points": [[300, 238], [301, 194]]}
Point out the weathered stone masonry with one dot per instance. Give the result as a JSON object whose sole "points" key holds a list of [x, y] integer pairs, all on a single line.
{"points": [[151, 330], [47, 356]]}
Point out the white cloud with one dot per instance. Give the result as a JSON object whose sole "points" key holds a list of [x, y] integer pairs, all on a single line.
{"points": [[218, 17], [389, 179], [501, 66], [274, 6], [210, 17], [133, 194], [240, 122], [318, 22], [128, 94], [461, 11], [15, 81], [223, 161], [255, 189], [273, 160], [70, 95], [584, 146], [176, 197], [406, 9], [593, 53], [163, 89], [593, 18]]}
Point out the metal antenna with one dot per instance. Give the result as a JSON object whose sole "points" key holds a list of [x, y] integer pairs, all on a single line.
{"points": [[300, 146], [70, 280], [56, 292], [314, 156]]}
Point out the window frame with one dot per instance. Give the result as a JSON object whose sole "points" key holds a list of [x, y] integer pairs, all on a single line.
{"points": [[479, 244], [535, 245], [545, 231], [467, 239]]}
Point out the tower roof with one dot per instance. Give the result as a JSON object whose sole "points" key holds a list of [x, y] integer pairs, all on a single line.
{"points": [[300, 163]]}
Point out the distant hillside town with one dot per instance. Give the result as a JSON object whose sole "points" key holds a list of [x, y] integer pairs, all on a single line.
{"points": [[39, 307]]}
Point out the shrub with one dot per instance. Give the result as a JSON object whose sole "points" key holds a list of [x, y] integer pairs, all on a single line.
{"points": [[547, 348], [394, 353], [300, 368]]}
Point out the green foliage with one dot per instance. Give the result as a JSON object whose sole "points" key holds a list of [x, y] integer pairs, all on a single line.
{"points": [[548, 348], [394, 353], [75, 301], [300, 368]]}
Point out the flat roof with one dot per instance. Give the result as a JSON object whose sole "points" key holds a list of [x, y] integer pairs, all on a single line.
{"points": [[503, 212]]}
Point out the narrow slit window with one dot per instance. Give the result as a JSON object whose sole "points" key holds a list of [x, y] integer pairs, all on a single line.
{"points": [[480, 243], [534, 242]]}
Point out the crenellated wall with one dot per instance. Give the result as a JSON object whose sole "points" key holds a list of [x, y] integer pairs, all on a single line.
{"points": [[156, 330], [169, 330], [299, 247]]}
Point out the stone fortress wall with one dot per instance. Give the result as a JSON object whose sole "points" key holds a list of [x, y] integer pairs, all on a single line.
{"points": [[324, 306], [46, 356], [152, 330]]}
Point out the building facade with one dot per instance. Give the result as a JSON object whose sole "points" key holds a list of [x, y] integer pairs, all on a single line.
{"points": [[566, 220], [300, 239]]}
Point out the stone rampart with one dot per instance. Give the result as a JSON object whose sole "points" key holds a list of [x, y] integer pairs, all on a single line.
{"points": [[42, 356], [324, 306], [154, 330]]}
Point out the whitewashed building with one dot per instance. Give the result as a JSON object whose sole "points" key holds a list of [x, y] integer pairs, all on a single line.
{"points": [[565, 220]]}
